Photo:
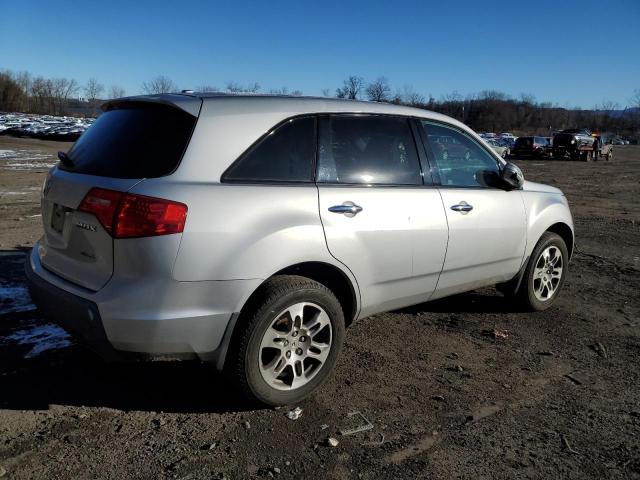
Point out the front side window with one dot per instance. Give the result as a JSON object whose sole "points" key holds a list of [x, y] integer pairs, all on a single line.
{"points": [[367, 149], [461, 161], [285, 154]]}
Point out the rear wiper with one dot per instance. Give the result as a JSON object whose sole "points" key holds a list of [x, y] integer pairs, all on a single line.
{"points": [[65, 159]]}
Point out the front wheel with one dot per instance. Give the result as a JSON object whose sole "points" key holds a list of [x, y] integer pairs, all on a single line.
{"points": [[545, 273], [288, 342]]}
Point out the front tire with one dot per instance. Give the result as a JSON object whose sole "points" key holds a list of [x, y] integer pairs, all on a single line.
{"points": [[288, 341], [545, 273]]}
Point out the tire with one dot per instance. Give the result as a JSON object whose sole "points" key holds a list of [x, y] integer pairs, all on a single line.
{"points": [[609, 156], [256, 355], [530, 295]]}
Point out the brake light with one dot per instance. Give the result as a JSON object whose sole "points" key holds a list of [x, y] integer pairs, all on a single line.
{"points": [[125, 215], [103, 204], [140, 216]]}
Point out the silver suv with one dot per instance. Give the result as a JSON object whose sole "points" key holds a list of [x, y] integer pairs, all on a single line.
{"points": [[249, 231]]}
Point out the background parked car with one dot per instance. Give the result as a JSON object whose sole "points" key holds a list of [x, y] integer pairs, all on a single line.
{"points": [[531, 146], [498, 147]]}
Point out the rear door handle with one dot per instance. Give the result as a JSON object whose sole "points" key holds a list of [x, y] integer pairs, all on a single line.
{"points": [[349, 209], [462, 207]]}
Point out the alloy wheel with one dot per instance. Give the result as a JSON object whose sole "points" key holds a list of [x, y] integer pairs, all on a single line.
{"points": [[547, 273], [295, 346]]}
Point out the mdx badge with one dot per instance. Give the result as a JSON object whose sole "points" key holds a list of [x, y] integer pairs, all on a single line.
{"points": [[87, 226]]}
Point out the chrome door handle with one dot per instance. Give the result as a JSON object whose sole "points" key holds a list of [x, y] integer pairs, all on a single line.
{"points": [[463, 207], [349, 209]]}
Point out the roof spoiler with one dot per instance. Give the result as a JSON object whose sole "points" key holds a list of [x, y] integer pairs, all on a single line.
{"points": [[189, 104]]}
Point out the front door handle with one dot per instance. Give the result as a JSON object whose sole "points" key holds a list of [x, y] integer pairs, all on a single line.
{"points": [[463, 207], [349, 209]]}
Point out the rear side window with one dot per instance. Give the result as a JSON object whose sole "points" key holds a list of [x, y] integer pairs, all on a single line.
{"points": [[135, 141], [286, 154], [367, 149]]}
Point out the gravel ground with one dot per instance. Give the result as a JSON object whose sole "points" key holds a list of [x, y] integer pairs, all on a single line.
{"points": [[557, 398]]}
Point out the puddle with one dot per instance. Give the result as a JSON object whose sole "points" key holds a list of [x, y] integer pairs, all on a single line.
{"points": [[40, 338]]}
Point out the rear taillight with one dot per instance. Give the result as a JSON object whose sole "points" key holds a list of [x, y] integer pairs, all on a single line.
{"points": [[103, 204], [125, 215]]}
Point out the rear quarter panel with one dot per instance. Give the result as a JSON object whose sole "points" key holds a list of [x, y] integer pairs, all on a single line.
{"points": [[244, 231]]}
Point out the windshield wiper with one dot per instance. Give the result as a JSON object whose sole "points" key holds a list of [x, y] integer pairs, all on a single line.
{"points": [[65, 160]]}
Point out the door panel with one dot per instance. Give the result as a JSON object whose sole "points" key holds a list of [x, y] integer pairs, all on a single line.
{"points": [[487, 243], [394, 238], [487, 232], [394, 247]]}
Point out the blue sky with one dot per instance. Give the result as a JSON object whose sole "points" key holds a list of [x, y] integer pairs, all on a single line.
{"points": [[573, 53]]}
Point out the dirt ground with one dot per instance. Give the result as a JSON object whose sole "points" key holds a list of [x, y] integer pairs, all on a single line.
{"points": [[559, 397]]}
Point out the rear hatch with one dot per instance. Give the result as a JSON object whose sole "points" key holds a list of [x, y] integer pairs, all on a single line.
{"points": [[129, 142]]}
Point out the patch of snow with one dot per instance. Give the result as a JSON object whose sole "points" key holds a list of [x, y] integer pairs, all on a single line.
{"points": [[25, 160], [7, 153], [41, 338], [20, 296]]}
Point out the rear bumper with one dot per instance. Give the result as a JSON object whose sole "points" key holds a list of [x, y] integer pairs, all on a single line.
{"points": [[78, 316], [149, 315]]}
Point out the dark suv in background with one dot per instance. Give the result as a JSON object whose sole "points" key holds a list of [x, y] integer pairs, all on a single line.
{"points": [[531, 146]]}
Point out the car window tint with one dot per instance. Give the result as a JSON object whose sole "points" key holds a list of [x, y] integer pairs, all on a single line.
{"points": [[461, 161], [136, 140], [367, 149], [285, 154]]}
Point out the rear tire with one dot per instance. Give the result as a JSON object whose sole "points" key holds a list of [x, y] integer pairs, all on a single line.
{"points": [[545, 273], [279, 355]]}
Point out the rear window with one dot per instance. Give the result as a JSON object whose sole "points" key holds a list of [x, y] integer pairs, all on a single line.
{"points": [[136, 141]]}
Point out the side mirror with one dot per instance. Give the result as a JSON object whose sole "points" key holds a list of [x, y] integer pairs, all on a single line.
{"points": [[512, 176]]}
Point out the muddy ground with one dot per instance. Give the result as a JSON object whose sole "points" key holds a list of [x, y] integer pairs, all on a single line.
{"points": [[559, 397]]}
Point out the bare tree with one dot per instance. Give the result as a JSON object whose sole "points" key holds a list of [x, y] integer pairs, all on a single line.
{"points": [[12, 96], [352, 87], [527, 98], [411, 97], [92, 90], [116, 92], [379, 90], [160, 84], [279, 91], [61, 90], [207, 88], [635, 99], [235, 87]]}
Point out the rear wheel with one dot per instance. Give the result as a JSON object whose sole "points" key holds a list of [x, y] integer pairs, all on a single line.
{"points": [[289, 343], [545, 273]]}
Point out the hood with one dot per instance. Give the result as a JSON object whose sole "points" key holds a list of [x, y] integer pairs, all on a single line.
{"points": [[540, 187]]}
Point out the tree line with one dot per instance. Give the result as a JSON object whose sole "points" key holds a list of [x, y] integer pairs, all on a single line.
{"points": [[488, 110], [24, 92]]}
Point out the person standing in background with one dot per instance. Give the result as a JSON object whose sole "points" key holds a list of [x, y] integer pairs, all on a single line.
{"points": [[596, 148]]}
